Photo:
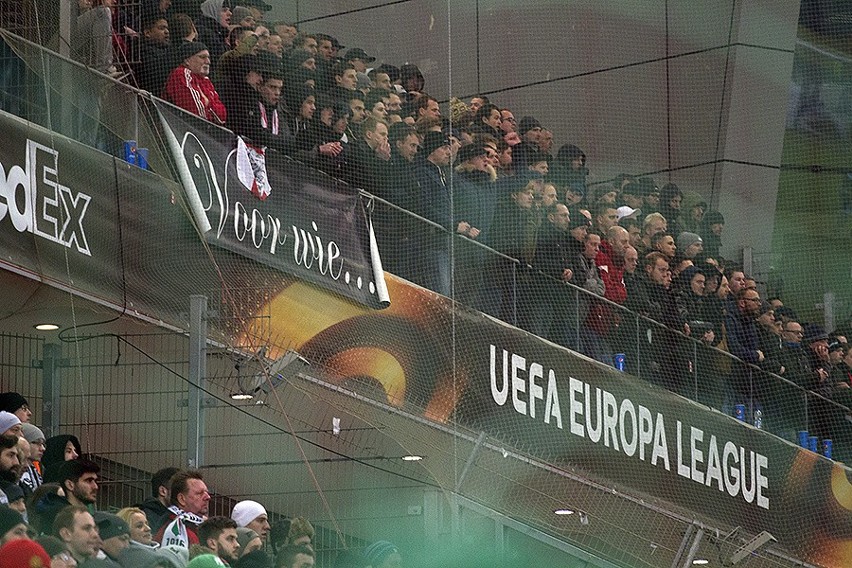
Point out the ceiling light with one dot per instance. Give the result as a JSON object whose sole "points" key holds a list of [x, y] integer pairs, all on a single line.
{"points": [[241, 396], [46, 327], [700, 561], [563, 512], [412, 458]]}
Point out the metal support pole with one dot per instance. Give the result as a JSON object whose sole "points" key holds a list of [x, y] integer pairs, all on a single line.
{"points": [[50, 364], [471, 458], [197, 372], [693, 550]]}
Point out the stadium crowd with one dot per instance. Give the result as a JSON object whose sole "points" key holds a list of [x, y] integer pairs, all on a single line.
{"points": [[48, 496], [574, 256]]}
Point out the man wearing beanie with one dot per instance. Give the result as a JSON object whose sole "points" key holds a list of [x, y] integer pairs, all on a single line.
{"points": [[252, 515], [10, 425], [529, 129], [16, 404], [31, 477], [189, 85], [12, 525], [114, 533], [689, 244], [23, 553]]}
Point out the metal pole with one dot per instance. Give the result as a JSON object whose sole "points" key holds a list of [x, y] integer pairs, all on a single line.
{"points": [[197, 372], [51, 362]]}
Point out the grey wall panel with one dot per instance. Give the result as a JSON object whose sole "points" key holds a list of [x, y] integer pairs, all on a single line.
{"points": [[536, 41], [695, 26]]}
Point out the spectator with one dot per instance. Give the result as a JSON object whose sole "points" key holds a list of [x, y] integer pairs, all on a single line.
{"points": [[549, 307], [571, 162], [654, 299], [31, 477], [79, 480], [693, 221], [301, 532], [154, 56], [252, 515], [665, 244], [344, 81], [114, 534], [12, 525], [189, 504], [431, 171], [514, 235], [181, 30], [76, 527], [219, 534], [671, 199], [156, 506], [654, 223], [140, 532], [711, 233], [359, 60], [212, 28], [9, 465], [249, 540], [399, 233], [743, 343], [368, 158], [231, 67], [16, 404], [190, 87], [10, 425], [631, 196], [295, 556], [43, 506], [259, 120], [529, 131], [301, 102], [690, 245], [487, 121]]}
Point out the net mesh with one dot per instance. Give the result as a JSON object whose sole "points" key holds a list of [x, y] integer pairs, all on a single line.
{"points": [[496, 149]]}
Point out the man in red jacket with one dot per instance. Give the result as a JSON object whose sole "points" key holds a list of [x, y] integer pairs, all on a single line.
{"points": [[189, 85]]}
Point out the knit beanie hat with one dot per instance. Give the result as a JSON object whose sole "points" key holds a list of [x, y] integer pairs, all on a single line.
{"points": [[32, 433], [686, 239], [9, 519], [245, 536], [246, 511], [190, 48], [23, 553], [12, 401], [7, 420]]}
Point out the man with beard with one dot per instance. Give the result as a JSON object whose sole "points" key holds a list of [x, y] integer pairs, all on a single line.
{"points": [[79, 479], [219, 534], [9, 465]]}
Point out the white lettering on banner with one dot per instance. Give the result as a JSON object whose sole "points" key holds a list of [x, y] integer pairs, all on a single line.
{"points": [[253, 227], [599, 416], [45, 207]]}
